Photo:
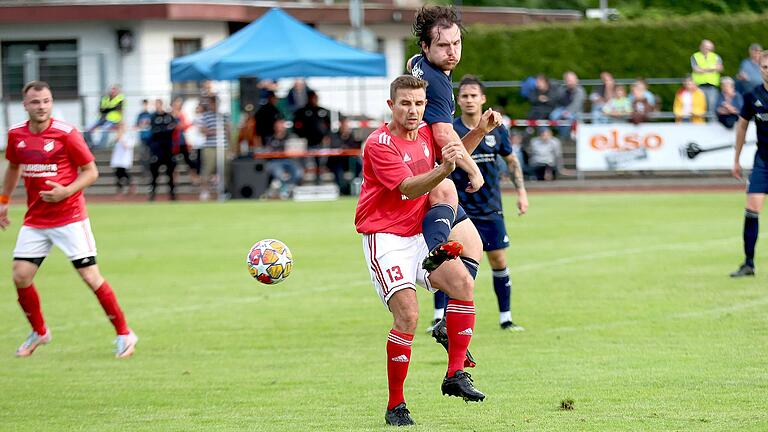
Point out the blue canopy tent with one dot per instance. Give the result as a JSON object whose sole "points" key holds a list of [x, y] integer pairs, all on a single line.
{"points": [[277, 46]]}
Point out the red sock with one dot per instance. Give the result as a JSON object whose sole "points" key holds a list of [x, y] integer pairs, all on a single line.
{"points": [[30, 304], [109, 303], [398, 359], [460, 324]]}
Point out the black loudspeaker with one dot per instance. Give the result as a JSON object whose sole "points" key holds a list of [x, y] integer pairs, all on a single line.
{"points": [[249, 178], [249, 94]]}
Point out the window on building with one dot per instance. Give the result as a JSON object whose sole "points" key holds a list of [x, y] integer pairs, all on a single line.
{"points": [[182, 47], [57, 65]]}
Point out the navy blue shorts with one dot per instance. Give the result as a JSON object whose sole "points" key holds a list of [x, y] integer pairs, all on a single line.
{"points": [[460, 215], [758, 180], [493, 233]]}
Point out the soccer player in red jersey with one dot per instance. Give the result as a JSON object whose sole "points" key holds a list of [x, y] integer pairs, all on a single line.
{"points": [[398, 174], [57, 166]]}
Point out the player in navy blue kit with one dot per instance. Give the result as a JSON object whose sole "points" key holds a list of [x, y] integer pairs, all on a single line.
{"points": [[484, 206], [755, 107]]}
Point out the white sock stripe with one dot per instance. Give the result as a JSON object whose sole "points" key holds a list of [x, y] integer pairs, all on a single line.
{"points": [[398, 340], [460, 306], [455, 310], [501, 273]]}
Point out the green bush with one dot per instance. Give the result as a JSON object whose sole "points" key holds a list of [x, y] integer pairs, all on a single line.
{"points": [[642, 48]]}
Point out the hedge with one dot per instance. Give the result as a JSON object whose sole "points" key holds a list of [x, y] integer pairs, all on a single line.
{"points": [[642, 48]]}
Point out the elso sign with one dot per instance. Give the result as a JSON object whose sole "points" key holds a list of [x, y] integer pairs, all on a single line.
{"points": [[616, 141]]}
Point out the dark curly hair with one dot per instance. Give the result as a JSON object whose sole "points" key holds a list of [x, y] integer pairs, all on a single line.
{"points": [[429, 17]]}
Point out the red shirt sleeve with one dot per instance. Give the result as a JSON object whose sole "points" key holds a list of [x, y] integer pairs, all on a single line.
{"points": [[387, 164], [10, 150], [77, 149]]}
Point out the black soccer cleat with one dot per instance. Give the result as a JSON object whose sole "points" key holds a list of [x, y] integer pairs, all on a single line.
{"points": [[399, 416], [744, 270], [440, 333], [511, 326], [442, 253], [460, 385]]}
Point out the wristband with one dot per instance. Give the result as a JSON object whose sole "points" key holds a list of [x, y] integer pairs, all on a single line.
{"points": [[5, 199]]}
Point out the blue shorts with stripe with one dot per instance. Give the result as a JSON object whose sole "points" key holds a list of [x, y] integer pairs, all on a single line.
{"points": [[492, 231], [758, 180]]}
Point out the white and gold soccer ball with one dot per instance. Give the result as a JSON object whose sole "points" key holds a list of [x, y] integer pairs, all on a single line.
{"points": [[270, 261]]}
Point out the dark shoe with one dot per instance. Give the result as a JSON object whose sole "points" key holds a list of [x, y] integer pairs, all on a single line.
{"points": [[460, 385], [440, 333], [744, 270], [442, 253], [399, 416], [510, 326]]}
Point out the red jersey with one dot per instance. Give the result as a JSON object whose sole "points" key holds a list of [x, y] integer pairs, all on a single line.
{"points": [[54, 154], [387, 161]]}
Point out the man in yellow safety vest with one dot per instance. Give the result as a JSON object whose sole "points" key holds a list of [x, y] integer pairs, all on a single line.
{"points": [[110, 115], [706, 67]]}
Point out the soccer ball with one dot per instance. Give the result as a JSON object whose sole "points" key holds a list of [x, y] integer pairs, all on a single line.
{"points": [[270, 261]]}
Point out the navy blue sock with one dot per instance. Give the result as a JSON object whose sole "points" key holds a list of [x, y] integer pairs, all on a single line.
{"points": [[503, 288], [437, 224], [441, 300], [471, 266], [751, 229]]}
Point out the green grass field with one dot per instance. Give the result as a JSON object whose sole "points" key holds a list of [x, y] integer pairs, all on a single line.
{"points": [[628, 309]]}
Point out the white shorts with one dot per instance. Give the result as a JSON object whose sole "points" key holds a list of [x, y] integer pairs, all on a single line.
{"points": [[395, 263], [75, 239]]}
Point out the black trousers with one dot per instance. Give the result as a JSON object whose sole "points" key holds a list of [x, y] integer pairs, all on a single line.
{"points": [[154, 169]]}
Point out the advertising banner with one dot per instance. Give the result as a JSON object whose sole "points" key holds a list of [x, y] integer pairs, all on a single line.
{"points": [[659, 146]]}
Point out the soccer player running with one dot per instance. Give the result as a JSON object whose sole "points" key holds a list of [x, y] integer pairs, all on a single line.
{"points": [[484, 206], [48, 153], [755, 107], [398, 174]]}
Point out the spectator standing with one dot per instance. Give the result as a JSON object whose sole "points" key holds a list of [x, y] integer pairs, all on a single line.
{"points": [[690, 104], [247, 137], [180, 144], [161, 149], [546, 155], [122, 159], [313, 123], [706, 66], [208, 155], [144, 127], [543, 99], [266, 117], [286, 173], [600, 96], [344, 139], [749, 71], [729, 103], [618, 108], [110, 115], [297, 95], [570, 103]]}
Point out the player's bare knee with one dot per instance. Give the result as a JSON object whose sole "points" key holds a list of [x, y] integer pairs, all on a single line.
{"points": [[406, 321], [21, 281], [444, 193], [463, 287]]}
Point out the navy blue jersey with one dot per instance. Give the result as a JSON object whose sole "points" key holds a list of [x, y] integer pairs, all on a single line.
{"points": [[756, 107], [487, 201], [440, 102]]}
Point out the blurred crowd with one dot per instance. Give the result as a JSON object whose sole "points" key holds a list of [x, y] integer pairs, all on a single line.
{"points": [[271, 126]]}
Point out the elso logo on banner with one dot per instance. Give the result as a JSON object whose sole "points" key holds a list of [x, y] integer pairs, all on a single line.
{"points": [[616, 141]]}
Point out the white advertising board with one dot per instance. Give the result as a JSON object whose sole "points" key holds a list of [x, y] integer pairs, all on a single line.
{"points": [[659, 146]]}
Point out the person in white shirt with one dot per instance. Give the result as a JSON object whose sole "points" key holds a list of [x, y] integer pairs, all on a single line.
{"points": [[122, 159]]}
